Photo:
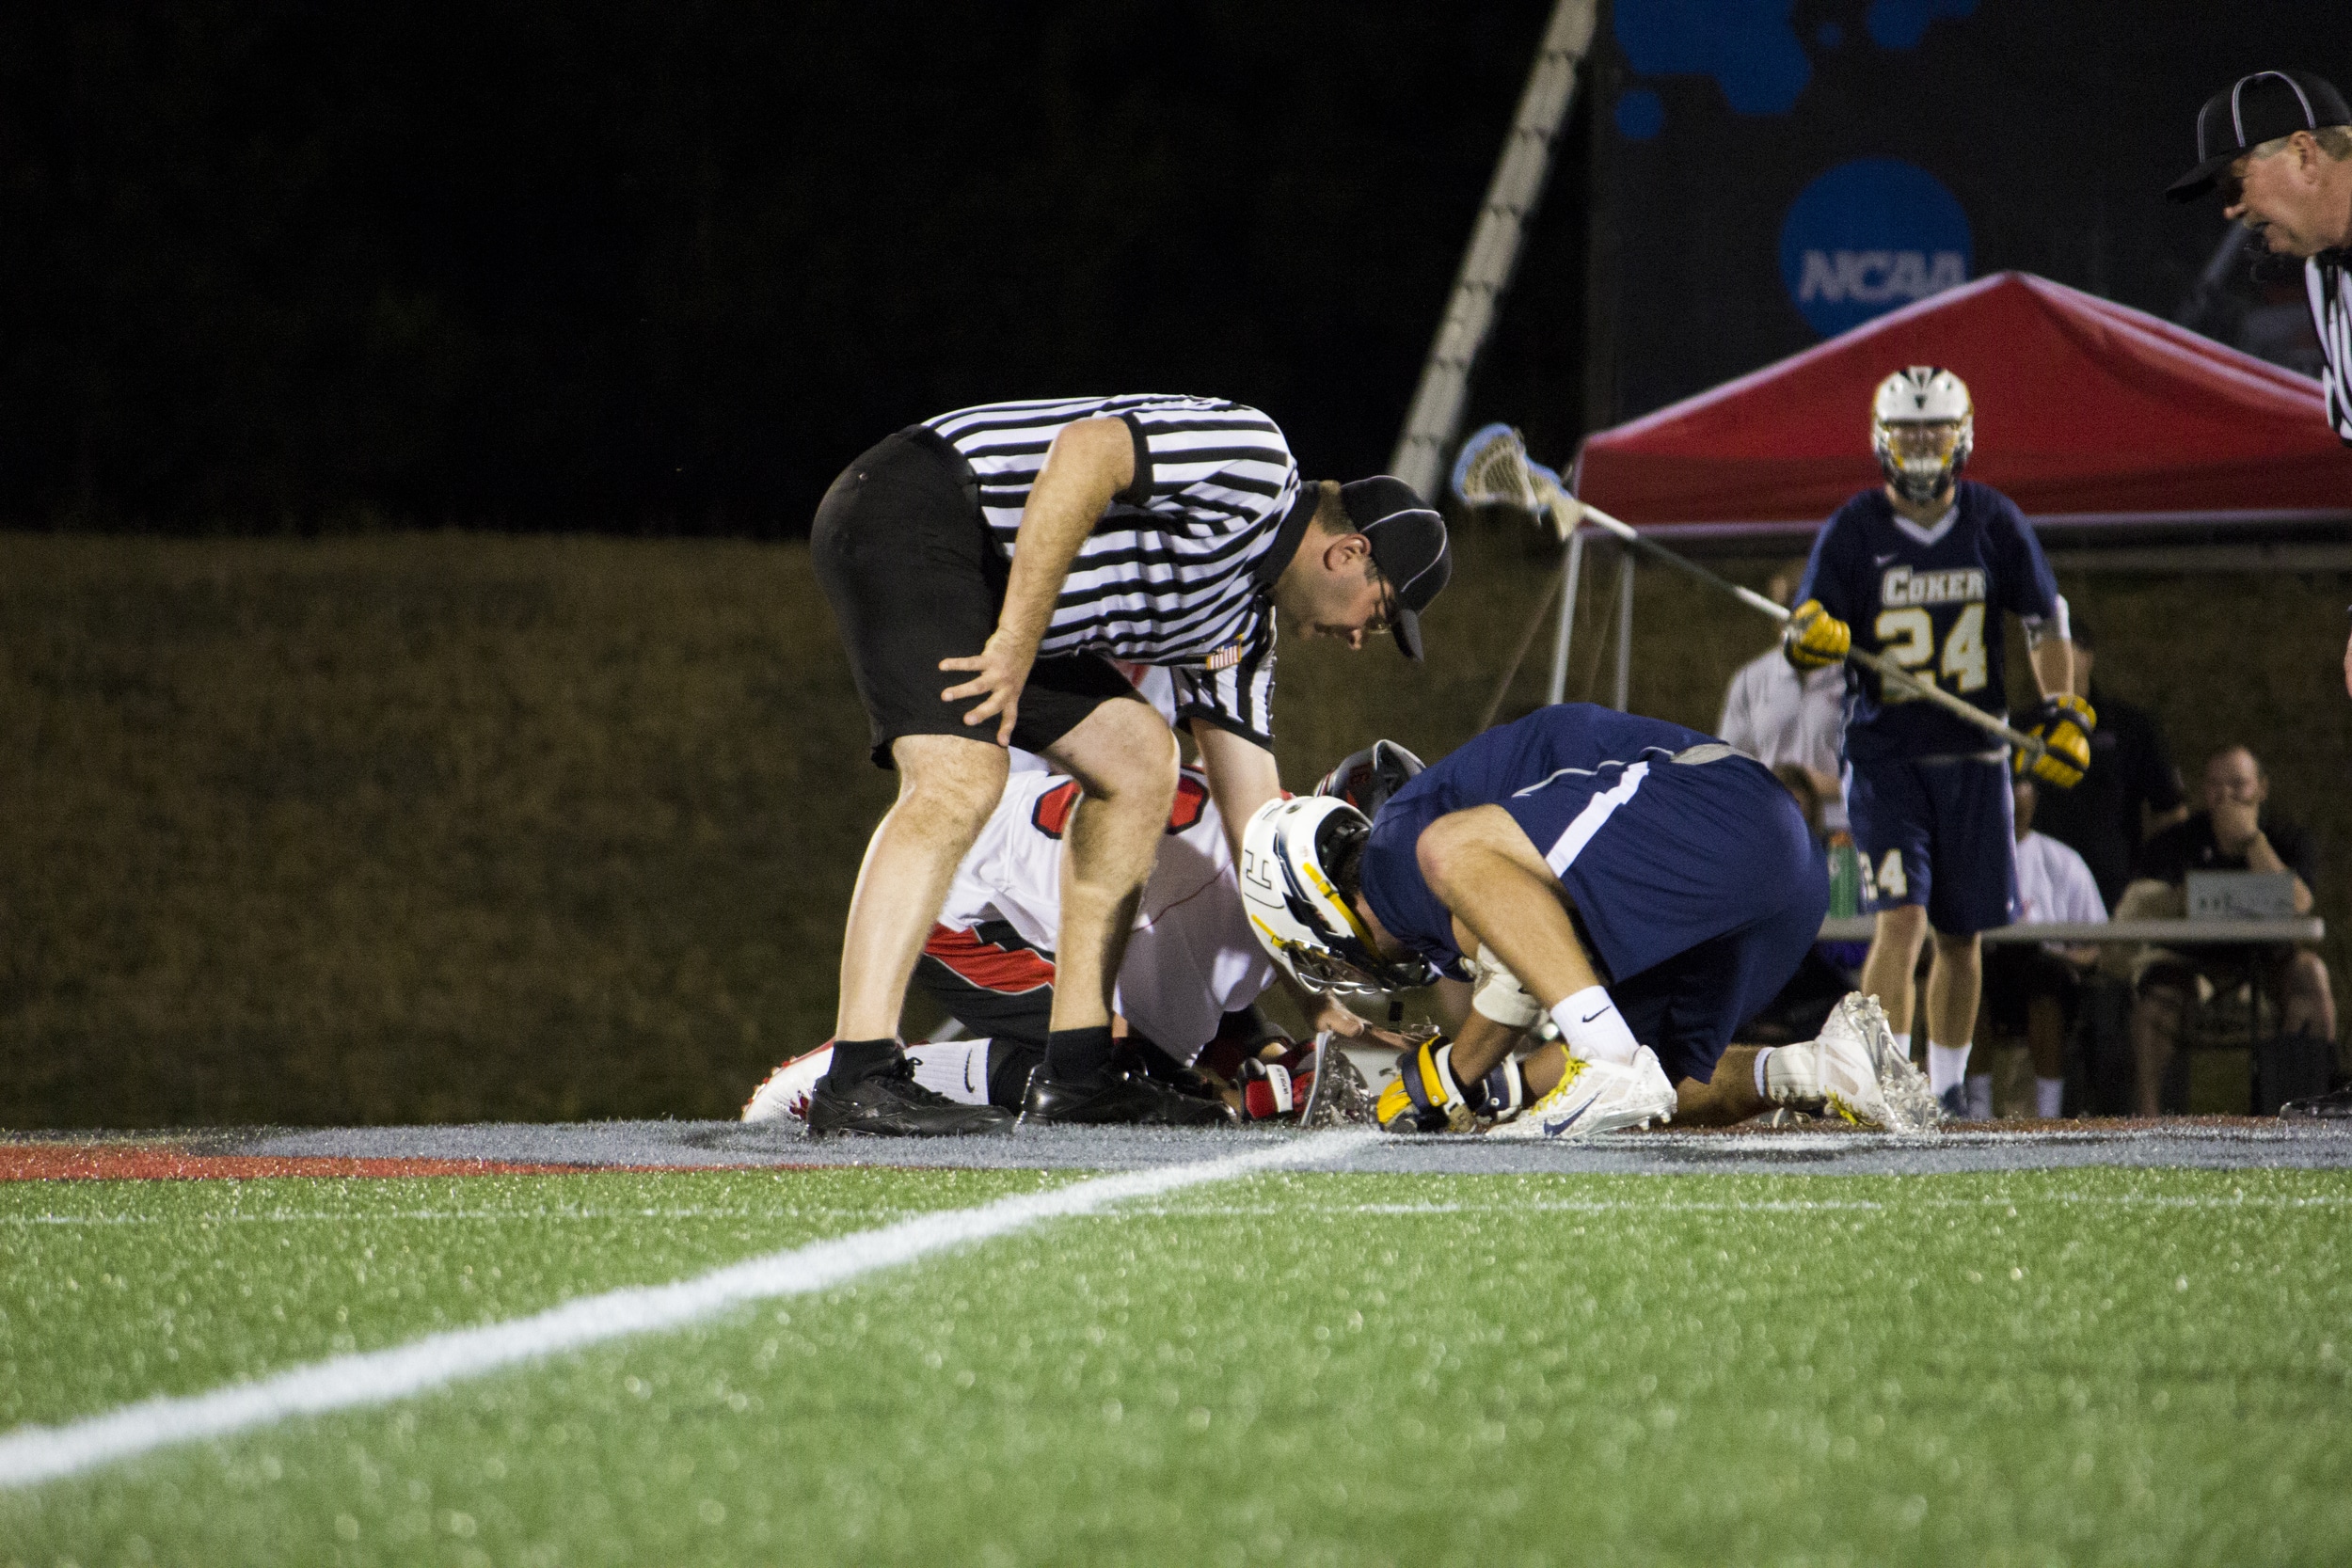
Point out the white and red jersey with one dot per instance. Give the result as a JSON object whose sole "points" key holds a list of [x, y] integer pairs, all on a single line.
{"points": [[1192, 956]]}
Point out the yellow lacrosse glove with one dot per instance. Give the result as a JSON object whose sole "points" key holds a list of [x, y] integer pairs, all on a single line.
{"points": [[1814, 639], [2063, 724]]}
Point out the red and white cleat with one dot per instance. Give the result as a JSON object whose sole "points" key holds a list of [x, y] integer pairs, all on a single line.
{"points": [[784, 1095]]}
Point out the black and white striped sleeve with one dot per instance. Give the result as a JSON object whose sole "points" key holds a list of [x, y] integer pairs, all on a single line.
{"points": [[2331, 291], [1239, 695], [1213, 466]]}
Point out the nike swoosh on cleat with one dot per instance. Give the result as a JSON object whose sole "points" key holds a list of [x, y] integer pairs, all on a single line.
{"points": [[1555, 1125]]}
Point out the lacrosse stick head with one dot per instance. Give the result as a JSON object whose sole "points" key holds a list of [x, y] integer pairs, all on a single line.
{"points": [[1495, 471]]}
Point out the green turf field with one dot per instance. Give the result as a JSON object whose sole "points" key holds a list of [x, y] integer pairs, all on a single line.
{"points": [[2091, 1366]]}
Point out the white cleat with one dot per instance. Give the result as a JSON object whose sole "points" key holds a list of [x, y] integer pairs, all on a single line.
{"points": [[1833, 1075], [1595, 1098], [1910, 1105], [784, 1095]]}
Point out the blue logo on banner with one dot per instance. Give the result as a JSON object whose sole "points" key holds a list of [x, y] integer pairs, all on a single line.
{"points": [[1868, 236], [1902, 24], [1749, 46]]}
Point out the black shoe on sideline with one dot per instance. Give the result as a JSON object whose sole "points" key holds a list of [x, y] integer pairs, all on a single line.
{"points": [[2335, 1105], [1121, 1099], [891, 1104]]}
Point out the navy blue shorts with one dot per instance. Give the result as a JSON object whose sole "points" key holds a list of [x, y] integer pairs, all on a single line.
{"points": [[1697, 886], [1949, 824]]}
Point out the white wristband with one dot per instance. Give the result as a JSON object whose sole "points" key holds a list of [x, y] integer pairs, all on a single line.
{"points": [[1593, 1029], [1500, 996]]}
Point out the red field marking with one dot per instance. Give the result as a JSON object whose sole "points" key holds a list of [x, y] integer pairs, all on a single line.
{"points": [[164, 1163]]}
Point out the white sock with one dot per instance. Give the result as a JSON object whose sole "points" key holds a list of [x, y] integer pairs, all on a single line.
{"points": [[1761, 1057], [2049, 1098], [1946, 1066], [1903, 1045], [1978, 1087], [956, 1069], [1593, 1029]]}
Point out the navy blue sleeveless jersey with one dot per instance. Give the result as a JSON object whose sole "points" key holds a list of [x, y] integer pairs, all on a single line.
{"points": [[1665, 838], [1932, 599]]}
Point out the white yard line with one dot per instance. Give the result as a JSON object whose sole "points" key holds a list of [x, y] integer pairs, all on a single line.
{"points": [[32, 1454]]}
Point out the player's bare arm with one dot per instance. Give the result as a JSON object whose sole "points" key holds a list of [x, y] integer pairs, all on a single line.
{"points": [[1089, 463]]}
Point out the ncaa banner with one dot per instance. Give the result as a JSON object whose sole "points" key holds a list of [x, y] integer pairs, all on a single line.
{"points": [[1766, 174]]}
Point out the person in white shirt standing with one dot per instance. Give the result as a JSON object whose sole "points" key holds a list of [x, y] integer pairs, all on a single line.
{"points": [[1786, 717], [2031, 990]]}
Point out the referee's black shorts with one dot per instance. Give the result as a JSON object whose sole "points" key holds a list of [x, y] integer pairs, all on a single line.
{"points": [[905, 559]]}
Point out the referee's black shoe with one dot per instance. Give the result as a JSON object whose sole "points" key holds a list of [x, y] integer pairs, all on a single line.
{"points": [[891, 1104], [2335, 1105], [1121, 1097]]}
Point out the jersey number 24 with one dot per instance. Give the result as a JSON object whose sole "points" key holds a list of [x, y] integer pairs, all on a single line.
{"points": [[1908, 638]]}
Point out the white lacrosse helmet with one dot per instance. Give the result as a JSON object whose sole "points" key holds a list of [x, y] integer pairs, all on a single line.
{"points": [[1922, 427], [1295, 907]]}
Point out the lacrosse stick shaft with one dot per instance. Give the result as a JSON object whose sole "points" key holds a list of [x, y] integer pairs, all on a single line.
{"points": [[1566, 508]]}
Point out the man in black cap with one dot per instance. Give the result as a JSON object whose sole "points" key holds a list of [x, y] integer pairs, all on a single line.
{"points": [[985, 567], [2277, 144]]}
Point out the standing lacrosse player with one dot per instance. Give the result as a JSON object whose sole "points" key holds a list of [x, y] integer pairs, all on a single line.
{"points": [[985, 567], [1919, 569]]}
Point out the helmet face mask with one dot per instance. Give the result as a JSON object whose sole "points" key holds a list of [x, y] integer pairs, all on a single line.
{"points": [[1297, 910], [1923, 429]]}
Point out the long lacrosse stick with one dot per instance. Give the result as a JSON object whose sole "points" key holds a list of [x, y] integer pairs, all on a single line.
{"points": [[1495, 471]]}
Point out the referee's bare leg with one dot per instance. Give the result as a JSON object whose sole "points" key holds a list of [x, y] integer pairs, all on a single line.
{"points": [[947, 786], [1125, 757]]}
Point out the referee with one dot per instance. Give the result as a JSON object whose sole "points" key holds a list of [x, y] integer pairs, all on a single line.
{"points": [[984, 568], [2279, 145]]}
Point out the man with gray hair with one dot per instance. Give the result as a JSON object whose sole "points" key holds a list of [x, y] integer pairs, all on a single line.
{"points": [[2278, 145]]}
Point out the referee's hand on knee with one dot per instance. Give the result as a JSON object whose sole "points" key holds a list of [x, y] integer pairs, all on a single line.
{"points": [[1002, 668]]}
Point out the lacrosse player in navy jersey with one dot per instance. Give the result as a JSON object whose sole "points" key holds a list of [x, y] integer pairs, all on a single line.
{"points": [[1920, 569], [1646, 886]]}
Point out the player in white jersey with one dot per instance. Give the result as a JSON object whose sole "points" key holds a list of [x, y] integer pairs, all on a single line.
{"points": [[1190, 960]]}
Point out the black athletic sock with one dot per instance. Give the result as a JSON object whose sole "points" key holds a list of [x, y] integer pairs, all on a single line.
{"points": [[1078, 1055], [856, 1059], [1009, 1064]]}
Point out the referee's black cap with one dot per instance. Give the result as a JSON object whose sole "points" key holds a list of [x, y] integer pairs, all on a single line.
{"points": [[2251, 111], [1409, 545]]}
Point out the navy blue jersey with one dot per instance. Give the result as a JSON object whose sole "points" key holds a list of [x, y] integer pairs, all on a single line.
{"points": [[1488, 771], [1932, 599]]}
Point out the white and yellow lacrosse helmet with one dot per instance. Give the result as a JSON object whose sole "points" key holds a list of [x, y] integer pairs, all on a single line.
{"points": [[1922, 427], [1289, 851]]}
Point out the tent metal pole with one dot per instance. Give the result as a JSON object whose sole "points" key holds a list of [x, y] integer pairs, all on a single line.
{"points": [[1557, 691], [1624, 628]]}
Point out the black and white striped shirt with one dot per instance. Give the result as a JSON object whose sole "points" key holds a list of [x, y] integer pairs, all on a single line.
{"points": [[1180, 567], [2331, 291]]}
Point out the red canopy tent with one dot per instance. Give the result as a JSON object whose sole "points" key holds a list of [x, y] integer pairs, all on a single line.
{"points": [[2090, 416]]}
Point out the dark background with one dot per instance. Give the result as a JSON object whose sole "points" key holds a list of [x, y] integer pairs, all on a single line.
{"points": [[640, 267], [667, 266]]}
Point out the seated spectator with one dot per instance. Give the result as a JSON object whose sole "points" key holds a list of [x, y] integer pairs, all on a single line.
{"points": [[2233, 834], [2131, 790], [2031, 990], [1782, 716]]}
